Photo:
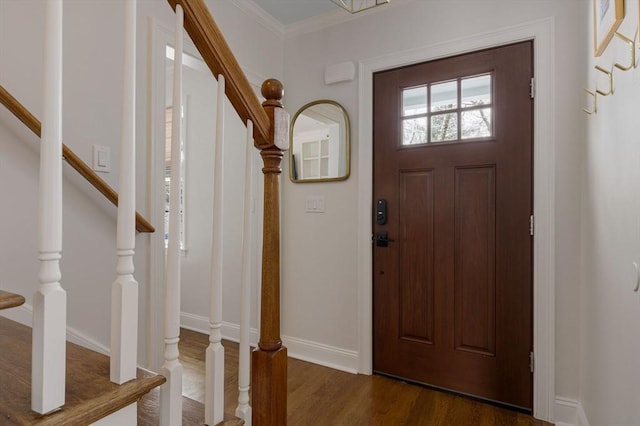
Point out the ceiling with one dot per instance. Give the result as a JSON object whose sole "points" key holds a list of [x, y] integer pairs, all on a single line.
{"points": [[288, 12]]}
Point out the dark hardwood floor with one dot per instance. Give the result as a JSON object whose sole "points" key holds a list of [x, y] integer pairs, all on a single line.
{"points": [[323, 396]]}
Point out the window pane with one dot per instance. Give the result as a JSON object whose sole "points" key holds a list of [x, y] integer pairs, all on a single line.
{"points": [[324, 167], [324, 147], [414, 101], [476, 123], [444, 96], [444, 127], [310, 169], [309, 149], [414, 131], [476, 91]]}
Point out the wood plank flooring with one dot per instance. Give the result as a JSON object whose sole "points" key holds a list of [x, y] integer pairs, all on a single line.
{"points": [[323, 396]]}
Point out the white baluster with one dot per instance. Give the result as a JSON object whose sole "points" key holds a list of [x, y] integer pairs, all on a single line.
{"points": [[171, 391], [244, 409], [50, 300], [214, 360], [124, 291]]}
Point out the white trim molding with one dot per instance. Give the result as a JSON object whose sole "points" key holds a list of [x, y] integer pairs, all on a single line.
{"points": [[543, 33], [304, 350], [569, 412], [312, 24], [24, 315], [339, 16], [582, 416], [318, 353], [260, 16]]}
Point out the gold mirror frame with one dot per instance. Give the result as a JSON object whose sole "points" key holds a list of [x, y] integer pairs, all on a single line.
{"points": [[347, 144]]}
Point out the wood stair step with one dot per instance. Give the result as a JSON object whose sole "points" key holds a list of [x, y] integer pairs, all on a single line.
{"points": [[231, 421], [90, 395], [10, 300], [192, 412]]}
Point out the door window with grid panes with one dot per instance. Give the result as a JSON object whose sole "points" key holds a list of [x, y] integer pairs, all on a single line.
{"points": [[448, 111]]}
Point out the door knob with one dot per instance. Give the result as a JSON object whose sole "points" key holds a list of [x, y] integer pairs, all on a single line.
{"points": [[382, 239]]}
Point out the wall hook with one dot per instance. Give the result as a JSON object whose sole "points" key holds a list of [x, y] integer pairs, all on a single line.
{"points": [[632, 49], [594, 103], [609, 74]]}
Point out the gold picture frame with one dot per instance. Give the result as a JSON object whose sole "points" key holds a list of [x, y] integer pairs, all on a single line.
{"points": [[607, 17]]}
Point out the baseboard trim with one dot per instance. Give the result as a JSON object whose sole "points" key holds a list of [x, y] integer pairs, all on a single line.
{"points": [[569, 412], [230, 331], [24, 315], [318, 353], [582, 416], [304, 350]]}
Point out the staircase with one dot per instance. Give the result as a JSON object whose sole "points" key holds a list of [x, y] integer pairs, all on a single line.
{"points": [[90, 395], [53, 382]]}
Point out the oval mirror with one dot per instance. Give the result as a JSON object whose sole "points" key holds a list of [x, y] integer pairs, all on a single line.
{"points": [[319, 145]]}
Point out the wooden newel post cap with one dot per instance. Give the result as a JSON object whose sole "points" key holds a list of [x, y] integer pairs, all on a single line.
{"points": [[278, 138], [273, 92]]}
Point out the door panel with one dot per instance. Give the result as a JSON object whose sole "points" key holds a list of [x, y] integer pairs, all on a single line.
{"points": [[474, 255], [453, 287], [416, 236]]}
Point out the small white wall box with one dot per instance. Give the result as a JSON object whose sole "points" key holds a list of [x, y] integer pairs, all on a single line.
{"points": [[338, 73], [101, 159]]}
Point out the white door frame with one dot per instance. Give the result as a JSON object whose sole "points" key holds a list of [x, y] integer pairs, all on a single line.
{"points": [[543, 33]]}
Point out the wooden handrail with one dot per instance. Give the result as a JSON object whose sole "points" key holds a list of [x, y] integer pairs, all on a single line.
{"points": [[23, 114], [216, 53]]}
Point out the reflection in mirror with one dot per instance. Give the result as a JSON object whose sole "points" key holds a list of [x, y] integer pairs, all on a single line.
{"points": [[319, 146]]}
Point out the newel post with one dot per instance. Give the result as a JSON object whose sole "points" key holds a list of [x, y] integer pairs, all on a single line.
{"points": [[269, 360]]}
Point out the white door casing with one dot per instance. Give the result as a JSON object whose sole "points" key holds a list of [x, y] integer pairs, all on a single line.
{"points": [[542, 32]]}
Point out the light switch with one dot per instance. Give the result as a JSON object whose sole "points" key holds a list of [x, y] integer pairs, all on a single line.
{"points": [[315, 204], [101, 159]]}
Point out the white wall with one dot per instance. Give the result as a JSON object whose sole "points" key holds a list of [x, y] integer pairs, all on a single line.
{"points": [[320, 250], [610, 314], [201, 90]]}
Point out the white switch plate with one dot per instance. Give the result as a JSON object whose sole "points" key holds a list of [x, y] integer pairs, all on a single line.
{"points": [[101, 159], [315, 204]]}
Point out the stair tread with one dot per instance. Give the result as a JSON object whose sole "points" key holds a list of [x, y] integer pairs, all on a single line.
{"points": [[192, 412], [90, 395], [231, 421], [10, 300], [149, 410]]}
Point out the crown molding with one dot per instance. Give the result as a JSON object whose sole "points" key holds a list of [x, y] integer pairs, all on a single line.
{"points": [[330, 19], [318, 23], [310, 25], [261, 16]]}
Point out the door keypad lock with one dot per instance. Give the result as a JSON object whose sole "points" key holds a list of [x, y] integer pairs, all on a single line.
{"points": [[381, 211]]}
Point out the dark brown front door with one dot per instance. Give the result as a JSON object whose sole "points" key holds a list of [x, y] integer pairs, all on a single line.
{"points": [[453, 251]]}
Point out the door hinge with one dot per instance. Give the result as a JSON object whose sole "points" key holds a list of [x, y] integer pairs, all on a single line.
{"points": [[531, 225], [532, 88], [531, 363]]}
